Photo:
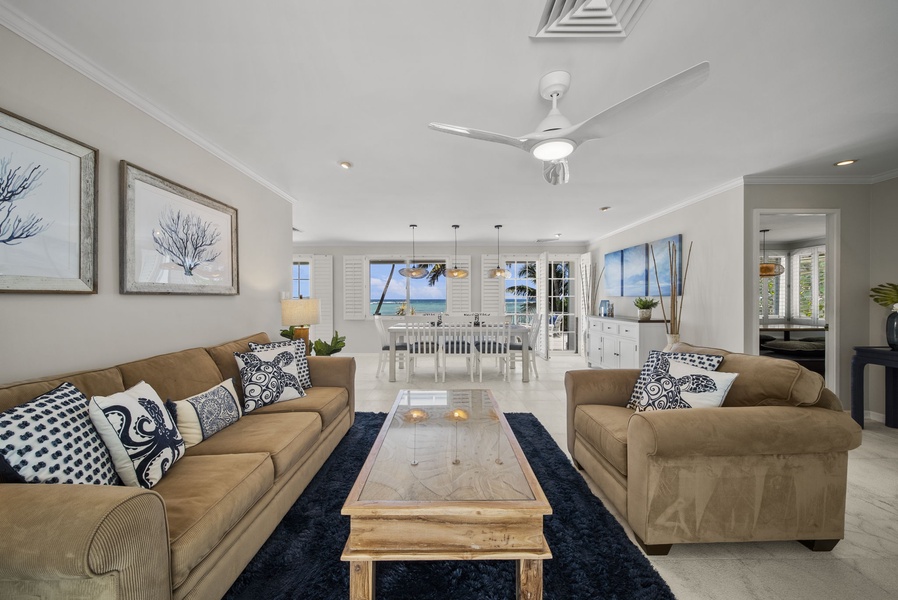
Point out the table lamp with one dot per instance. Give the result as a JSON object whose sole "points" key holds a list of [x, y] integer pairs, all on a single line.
{"points": [[300, 313]]}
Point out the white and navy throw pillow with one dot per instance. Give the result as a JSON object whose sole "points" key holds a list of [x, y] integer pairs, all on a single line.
{"points": [[677, 385], [51, 440], [200, 417], [299, 351], [268, 376], [139, 432], [708, 362]]}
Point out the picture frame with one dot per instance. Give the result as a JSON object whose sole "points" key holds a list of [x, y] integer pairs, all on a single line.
{"points": [[174, 240], [48, 210]]}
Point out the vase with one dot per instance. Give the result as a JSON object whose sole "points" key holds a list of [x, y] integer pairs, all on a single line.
{"points": [[645, 314], [672, 338], [892, 328]]}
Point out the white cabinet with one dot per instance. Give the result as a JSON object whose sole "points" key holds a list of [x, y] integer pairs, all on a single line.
{"points": [[622, 343]]}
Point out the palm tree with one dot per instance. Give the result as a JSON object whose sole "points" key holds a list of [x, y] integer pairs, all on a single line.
{"points": [[558, 291]]}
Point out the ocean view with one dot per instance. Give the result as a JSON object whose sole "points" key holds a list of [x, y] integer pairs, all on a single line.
{"points": [[391, 307]]}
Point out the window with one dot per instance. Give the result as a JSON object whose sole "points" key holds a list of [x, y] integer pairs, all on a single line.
{"points": [[301, 280], [772, 293], [391, 293], [520, 290], [808, 284], [562, 321]]}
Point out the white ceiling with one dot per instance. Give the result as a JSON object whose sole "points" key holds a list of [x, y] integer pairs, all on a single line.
{"points": [[286, 90]]}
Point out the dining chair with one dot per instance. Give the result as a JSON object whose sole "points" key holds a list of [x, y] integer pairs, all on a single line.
{"points": [[492, 339], [422, 339], [516, 348], [384, 335], [458, 340]]}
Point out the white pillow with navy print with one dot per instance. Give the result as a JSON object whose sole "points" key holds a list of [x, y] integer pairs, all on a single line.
{"points": [[268, 376], [677, 385], [139, 432], [201, 416], [709, 362], [299, 351], [50, 439]]}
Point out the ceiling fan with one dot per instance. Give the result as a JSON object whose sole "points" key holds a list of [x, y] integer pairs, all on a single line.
{"points": [[555, 138]]}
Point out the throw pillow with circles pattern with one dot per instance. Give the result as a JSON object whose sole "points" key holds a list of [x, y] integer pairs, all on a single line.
{"points": [[268, 376]]}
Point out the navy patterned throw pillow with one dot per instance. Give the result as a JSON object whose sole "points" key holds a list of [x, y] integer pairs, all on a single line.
{"points": [[708, 362], [201, 416], [299, 351], [139, 432], [51, 440], [678, 385], [268, 376]]}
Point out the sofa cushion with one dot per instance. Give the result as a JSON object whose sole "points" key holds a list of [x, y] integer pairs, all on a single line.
{"points": [[703, 361], [299, 351], [202, 416], [51, 440], [268, 376], [328, 402], [678, 385], [287, 437], [223, 356], [605, 429], [764, 381], [92, 383], [230, 485], [140, 433], [176, 375]]}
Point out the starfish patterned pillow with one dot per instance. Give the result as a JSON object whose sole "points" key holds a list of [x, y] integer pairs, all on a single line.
{"points": [[139, 432], [674, 384]]}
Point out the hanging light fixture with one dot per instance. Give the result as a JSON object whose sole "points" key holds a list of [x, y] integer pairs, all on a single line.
{"points": [[498, 272], [455, 272], [768, 268], [414, 271]]}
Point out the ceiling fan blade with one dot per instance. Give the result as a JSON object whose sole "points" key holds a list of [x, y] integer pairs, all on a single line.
{"points": [[639, 107], [556, 172], [478, 134]]}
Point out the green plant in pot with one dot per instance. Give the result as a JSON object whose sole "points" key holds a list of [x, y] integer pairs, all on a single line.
{"points": [[886, 294], [645, 306], [336, 344]]}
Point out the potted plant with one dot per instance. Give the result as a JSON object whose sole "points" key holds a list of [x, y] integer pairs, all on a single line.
{"points": [[645, 306], [336, 344], [886, 294]]}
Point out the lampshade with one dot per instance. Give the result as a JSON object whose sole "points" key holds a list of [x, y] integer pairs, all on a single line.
{"points": [[300, 311], [413, 272], [768, 268], [455, 272], [498, 272]]}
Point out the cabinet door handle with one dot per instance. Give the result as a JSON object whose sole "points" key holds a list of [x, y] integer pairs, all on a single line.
{"points": [[616, 354]]}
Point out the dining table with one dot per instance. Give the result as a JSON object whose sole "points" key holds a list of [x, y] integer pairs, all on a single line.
{"points": [[516, 331]]}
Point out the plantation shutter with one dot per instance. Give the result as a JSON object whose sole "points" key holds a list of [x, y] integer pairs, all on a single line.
{"points": [[458, 291], [321, 286], [355, 288], [542, 305], [492, 291]]}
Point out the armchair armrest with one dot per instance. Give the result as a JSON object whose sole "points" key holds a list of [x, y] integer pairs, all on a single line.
{"points": [[611, 387], [334, 371], [71, 541]]}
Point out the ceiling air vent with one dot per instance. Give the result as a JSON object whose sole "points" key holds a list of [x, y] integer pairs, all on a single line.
{"points": [[590, 18]]}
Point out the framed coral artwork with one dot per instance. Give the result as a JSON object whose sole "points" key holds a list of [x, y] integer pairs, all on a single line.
{"points": [[48, 210], [174, 240]]}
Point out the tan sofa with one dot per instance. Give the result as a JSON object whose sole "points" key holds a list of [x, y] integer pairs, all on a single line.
{"points": [[194, 532], [771, 464]]}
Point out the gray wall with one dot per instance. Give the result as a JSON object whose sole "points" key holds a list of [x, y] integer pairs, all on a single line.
{"points": [[47, 334], [883, 269]]}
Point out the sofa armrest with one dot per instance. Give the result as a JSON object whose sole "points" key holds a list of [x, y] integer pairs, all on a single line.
{"points": [[741, 431], [596, 386], [68, 541], [335, 371]]}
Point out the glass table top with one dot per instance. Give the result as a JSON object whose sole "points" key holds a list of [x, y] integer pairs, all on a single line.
{"points": [[446, 445]]}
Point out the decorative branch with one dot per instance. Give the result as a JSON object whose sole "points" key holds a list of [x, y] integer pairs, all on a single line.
{"points": [[15, 185], [186, 239], [672, 326]]}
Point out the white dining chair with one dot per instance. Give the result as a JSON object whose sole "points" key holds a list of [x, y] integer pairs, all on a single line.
{"points": [[384, 335], [492, 339], [516, 348], [422, 339], [458, 340]]}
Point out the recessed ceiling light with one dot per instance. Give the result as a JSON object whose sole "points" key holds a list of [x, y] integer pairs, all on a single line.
{"points": [[845, 163], [605, 208], [346, 165]]}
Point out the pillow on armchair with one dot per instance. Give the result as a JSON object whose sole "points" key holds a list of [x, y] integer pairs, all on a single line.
{"points": [[675, 384]]}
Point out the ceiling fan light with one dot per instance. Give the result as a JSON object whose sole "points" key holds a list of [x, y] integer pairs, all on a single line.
{"points": [[456, 273], [553, 149]]}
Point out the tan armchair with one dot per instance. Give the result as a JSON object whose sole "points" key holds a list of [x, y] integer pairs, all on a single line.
{"points": [[771, 464]]}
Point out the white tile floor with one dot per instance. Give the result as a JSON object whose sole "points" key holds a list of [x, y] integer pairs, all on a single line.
{"points": [[863, 565]]}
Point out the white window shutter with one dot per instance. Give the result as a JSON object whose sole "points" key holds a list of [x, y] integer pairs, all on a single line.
{"points": [[321, 267], [458, 291], [355, 288], [492, 291]]}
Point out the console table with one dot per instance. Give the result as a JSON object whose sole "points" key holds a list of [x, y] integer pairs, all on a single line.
{"points": [[874, 355]]}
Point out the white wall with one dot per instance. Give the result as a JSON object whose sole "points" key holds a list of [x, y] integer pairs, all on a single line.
{"points": [[361, 336], [713, 299], [883, 269], [47, 334], [853, 203]]}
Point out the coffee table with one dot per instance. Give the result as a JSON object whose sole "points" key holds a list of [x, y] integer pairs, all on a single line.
{"points": [[446, 480]]}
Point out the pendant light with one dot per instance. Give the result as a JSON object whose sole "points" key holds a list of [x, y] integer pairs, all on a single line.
{"points": [[498, 272], [768, 268], [455, 272], [413, 272]]}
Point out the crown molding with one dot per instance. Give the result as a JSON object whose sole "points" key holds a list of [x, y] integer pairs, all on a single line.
{"points": [[884, 176], [36, 35], [818, 180]]}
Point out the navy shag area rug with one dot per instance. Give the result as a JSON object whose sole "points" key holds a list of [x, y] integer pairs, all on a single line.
{"points": [[592, 557]]}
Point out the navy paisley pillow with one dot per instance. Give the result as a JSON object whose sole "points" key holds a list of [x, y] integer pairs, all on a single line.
{"points": [[201, 416], [141, 436]]}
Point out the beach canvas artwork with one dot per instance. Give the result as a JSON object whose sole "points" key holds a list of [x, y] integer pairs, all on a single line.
{"points": [[635, 273], [662, 259], [613, 280]]}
